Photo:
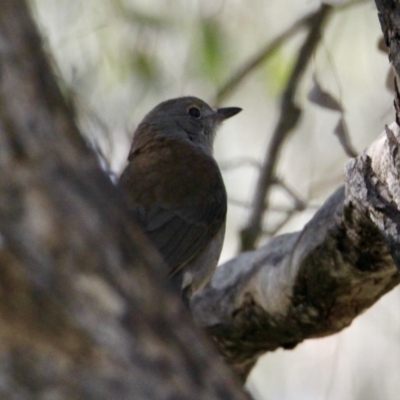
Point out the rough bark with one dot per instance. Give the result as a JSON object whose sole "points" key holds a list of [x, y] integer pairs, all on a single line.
{"points": [[389, 17], [312, 283], [83, 311]]}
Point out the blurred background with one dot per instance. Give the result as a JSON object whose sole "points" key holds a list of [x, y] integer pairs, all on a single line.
{"points": [[119, 58]]}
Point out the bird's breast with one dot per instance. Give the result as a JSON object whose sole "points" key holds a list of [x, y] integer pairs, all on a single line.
{"points": [[172, 172]]}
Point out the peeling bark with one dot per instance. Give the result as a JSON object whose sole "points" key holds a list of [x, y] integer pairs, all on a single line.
{"points": [[84, 313], [312, 283]]}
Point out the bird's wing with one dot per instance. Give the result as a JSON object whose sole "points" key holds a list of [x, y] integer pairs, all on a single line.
{"points": [[181, 234], [181, 214]]}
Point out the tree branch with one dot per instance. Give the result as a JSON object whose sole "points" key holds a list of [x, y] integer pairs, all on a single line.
{"points": [[312, 283], [84, 313], [389, 17], [289, 116], [262, 55]]}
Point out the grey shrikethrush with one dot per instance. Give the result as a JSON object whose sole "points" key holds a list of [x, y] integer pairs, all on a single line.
{"points": [[175, 189]]}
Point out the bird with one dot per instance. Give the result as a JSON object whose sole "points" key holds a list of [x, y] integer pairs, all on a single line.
{"points": [[175, 191]]}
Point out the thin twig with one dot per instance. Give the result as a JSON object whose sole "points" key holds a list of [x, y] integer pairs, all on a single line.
{"points": [[276, 209], [239, 163], [342, 133], [289, 215], [349, 4], [244, 70], [267, 51], [289, 116], [299, 203]]}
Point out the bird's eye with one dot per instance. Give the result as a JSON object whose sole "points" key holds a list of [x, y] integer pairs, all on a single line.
{"points": [[194, 112]]}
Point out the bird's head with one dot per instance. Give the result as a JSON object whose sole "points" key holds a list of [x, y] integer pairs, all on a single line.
{"points": [[186, 118]]}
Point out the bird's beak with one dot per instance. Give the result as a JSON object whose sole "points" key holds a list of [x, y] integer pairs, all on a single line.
{"points": [[227, 112]]}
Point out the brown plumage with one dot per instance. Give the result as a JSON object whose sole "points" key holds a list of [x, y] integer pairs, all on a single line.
{"points": [[175, 188]]}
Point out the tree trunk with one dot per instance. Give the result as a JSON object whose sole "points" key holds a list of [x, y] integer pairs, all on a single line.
{"points": [[85, 311]]}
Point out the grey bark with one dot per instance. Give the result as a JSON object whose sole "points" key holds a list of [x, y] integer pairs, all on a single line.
{"points": [[84, 311], [311, 283]]}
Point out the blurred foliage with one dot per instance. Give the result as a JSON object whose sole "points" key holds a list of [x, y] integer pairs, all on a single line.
{"points": [[121, 57], [277, 70], [145, 27], [145, 65], [130, 12], [210, 53]]}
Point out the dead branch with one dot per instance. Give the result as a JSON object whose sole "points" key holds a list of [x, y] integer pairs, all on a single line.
{"points": [[312, 283], [289, 116]]}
